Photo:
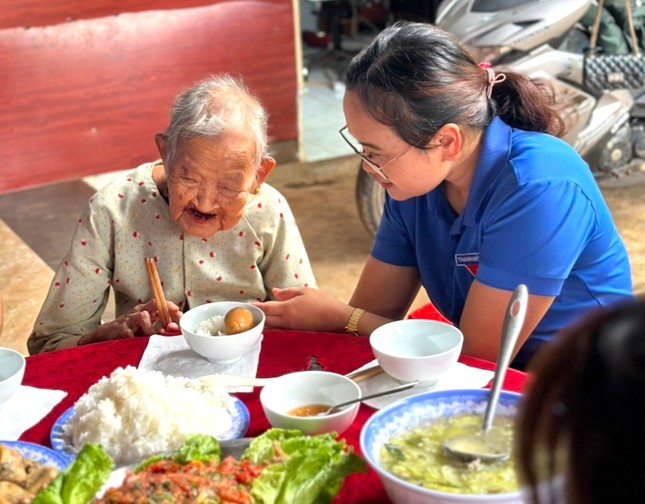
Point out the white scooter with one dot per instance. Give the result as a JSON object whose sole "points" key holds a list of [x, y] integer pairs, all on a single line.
{"points": [[542, 38]]}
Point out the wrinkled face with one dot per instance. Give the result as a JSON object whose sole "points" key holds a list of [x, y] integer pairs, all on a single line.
{"points": [[209, 183]]}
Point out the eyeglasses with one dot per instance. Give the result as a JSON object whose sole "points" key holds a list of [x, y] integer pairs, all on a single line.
{"points": [[378, 169]]}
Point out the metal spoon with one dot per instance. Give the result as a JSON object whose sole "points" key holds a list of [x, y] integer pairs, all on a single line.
{"points": [[400, 388], [485, 445]]}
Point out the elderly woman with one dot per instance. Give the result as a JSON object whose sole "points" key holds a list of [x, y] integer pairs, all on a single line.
{"points": [[203, 212]]}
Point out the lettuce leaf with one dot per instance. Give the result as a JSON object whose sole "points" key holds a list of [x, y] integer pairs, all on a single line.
{"points": [[79, 482], [51, 494], [198, 447], [313, 471], [195, 447]]}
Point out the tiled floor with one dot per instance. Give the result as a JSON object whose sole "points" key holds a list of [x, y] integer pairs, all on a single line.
{"points": [[322, 99], [322, 113]]}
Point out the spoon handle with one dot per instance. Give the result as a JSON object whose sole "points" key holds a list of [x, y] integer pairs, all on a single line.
{"points": [[400, 388], [513, 322]]}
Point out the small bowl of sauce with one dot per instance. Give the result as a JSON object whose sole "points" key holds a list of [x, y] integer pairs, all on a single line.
{"points": [[309, 410], [296, 401]]}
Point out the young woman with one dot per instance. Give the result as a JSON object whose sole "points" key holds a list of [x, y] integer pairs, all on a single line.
{"points": [[481, 196]]}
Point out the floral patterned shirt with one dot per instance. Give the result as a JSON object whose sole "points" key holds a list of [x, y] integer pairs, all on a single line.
{"points": [[129, 220]]}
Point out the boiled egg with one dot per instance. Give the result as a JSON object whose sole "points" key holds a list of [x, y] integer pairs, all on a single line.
{"points": [[237, 320]]}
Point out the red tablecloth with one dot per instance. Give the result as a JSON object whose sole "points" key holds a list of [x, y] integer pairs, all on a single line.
{"points": [[75, 370]]}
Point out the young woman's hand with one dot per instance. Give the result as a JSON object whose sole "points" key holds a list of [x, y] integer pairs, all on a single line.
{"points": [[305, 309]]}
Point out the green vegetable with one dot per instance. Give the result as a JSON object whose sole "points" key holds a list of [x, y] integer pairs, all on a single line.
{"points": [[302, 469], [395, 451], [79, 482], [313, 471], [196, 447]]}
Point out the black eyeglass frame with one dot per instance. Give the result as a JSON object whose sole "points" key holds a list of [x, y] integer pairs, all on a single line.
{"points": [[378, 169]]}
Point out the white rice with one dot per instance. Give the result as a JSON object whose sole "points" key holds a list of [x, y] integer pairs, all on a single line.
{"points": [[213, 326], [135, 413]]}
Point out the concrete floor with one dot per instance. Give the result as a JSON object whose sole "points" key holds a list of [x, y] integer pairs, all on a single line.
{"points": [[321, 195]]}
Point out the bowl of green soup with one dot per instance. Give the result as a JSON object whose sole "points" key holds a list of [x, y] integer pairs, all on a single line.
{"points": [[402, 443]]}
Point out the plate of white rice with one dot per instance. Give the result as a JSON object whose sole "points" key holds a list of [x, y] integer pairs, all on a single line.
{"points": [[135, 413]]}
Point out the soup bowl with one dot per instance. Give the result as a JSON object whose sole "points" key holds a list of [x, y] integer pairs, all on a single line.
{"points": [[198, 324], [417, 349], [423, 409]]}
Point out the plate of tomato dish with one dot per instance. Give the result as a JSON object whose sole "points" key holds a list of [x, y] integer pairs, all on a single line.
{"points": [[277, 466]]}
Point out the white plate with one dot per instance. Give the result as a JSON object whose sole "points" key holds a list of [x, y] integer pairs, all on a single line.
{"points": [[460, 376], [38, 453], [240, 419]]}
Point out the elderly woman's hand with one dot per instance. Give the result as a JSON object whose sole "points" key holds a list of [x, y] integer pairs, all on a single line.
{"points": [[172, 329], [140, 321], [305, 309]]}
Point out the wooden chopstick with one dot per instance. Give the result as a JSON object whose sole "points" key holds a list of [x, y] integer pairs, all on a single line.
{"points": [[364, 374], [157, 291]]}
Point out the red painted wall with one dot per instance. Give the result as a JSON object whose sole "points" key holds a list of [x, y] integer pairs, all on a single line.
{"points": [[87, 96]]}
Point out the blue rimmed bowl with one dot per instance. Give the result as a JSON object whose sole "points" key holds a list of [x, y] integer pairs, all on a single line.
{"points": [[403, 415]]}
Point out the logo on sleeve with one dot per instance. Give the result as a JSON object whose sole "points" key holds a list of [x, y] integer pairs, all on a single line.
{"points": [[469, 261]]}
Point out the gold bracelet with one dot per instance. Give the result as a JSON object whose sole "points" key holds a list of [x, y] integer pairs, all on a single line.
{"points": [[352, 324]]}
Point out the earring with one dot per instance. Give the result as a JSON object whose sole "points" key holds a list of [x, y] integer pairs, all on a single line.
{"points": [[256, 191]]}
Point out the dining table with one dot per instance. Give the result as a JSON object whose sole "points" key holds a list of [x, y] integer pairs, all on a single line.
{"points": [[75, 369]]}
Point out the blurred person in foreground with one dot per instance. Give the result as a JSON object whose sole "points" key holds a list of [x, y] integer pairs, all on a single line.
{"points": [[580, 427], [482, 195], [203, 211]]}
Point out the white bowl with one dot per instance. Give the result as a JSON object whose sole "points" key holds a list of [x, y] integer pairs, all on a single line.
{"points": [[221, 349], [12, 370], [306, 388], [417, 349], [406, 413]]}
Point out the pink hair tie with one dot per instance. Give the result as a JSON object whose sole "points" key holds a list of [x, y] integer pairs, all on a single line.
{"points": [[492, 77]]}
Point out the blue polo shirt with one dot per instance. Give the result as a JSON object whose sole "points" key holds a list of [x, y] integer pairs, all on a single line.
{"points": [[534, 215]]}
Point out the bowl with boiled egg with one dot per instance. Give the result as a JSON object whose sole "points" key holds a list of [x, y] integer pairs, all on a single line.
{"points": [[223, 331]]}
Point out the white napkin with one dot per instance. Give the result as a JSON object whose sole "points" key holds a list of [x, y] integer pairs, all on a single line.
{"points": [[460, 376], [172, 356], [25, 409]]}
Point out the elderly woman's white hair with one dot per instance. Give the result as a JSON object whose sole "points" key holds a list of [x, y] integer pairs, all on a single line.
{"points": [[213, 106]]}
